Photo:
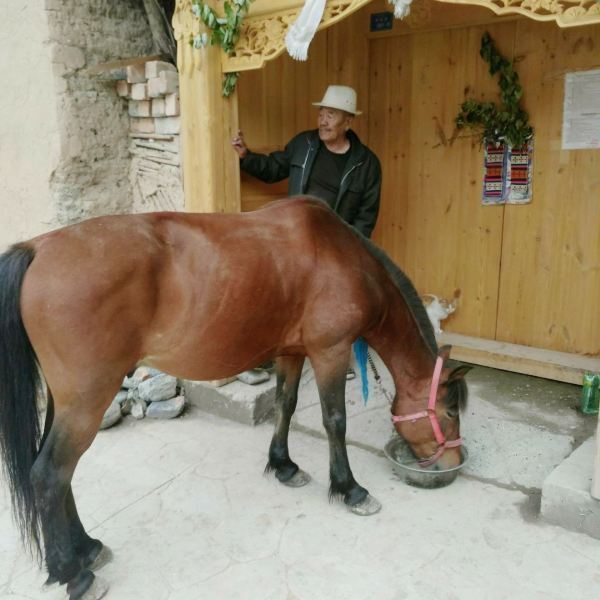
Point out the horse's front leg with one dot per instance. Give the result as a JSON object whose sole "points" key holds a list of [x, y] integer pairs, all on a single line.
{"points": [[289, 370], [330, 373]]}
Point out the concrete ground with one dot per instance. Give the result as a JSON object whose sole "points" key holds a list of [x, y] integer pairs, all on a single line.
{"points": [[189, 515]]}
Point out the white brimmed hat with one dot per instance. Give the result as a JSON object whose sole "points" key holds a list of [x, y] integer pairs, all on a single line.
{"points": [[341, 97]]}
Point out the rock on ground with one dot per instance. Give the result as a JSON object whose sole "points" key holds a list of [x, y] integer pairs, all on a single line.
{"points": [[158, 388], [167, 409], [112, 416]]}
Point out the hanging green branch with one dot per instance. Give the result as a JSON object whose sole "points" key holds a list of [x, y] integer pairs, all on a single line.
{"points": [[229, 83], [508, 123], [224, 31]]}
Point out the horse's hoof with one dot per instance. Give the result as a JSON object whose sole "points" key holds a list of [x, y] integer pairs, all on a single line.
{"points": [[367, 507], [96, 591], [104, 557], [298, 479]]}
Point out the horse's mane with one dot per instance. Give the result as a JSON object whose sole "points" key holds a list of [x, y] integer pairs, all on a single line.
{"points": [[407, 290], [456, 399]]}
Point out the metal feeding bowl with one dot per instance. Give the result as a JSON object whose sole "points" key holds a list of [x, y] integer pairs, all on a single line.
{"points": [[406, 466]]}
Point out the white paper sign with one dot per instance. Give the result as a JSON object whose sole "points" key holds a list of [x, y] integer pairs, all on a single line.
{"points": [[581, 111]]}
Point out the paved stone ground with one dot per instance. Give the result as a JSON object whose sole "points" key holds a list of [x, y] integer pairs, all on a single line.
{"points": [[189, 515]]}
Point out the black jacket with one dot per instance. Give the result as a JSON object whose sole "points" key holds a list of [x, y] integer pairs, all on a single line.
{"points": [[358, 198]]}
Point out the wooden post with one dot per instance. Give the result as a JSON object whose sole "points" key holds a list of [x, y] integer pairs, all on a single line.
{"points": [[595, 491], [211, 174]]}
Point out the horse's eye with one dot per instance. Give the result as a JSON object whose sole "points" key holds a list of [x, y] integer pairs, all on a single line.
{"points": [[452, 412]]}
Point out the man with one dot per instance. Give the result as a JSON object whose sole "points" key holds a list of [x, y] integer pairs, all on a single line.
{"points": [[330, 162]]}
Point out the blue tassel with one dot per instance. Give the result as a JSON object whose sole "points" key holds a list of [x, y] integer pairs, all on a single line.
{"points": [[360, 351]]}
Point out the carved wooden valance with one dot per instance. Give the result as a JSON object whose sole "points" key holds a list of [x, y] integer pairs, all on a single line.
{"points": [[567, 13], [264, 29], [263, 35]]}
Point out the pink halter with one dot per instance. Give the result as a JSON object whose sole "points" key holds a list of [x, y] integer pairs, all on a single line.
{"points": [[430, 412]]}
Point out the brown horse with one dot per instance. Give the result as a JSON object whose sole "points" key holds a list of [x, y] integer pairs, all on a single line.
{"points": [[201, 297]]}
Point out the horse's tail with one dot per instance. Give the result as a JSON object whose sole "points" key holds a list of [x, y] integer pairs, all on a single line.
{"points": [[20, 383]]}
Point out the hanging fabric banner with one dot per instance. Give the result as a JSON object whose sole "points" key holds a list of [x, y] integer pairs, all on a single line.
{"points": [[494, 167], [507, 173], [519, 168]]}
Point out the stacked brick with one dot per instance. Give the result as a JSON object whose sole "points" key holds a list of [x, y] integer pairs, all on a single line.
{"points": [[153, 92]]}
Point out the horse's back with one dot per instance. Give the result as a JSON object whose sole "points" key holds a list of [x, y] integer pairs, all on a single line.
{"points": [[179, 289], [125, 241]]}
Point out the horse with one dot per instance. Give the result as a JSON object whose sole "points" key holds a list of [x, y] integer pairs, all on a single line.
{"points": [[203, 297]]}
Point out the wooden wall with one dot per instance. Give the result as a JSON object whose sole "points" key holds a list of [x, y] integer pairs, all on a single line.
{"points": [[432, 221], [526, 274], [550, 275]]}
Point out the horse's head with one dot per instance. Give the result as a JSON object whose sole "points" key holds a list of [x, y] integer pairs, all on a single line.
{"points": [[429, 420]]}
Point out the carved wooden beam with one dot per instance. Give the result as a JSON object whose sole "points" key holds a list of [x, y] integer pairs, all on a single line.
{"points": [[566, 13], [265, 27], [263, 33]]}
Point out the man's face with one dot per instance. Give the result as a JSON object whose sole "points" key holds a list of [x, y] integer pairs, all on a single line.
{"points": [[333, 124]]}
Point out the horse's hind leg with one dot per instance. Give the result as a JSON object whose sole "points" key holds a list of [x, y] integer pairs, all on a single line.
{"points": [[71, 433], [289, 370], [330, 372], [91, 552]]}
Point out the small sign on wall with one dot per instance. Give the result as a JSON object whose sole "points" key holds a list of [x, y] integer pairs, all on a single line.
{"points": [[382, 21], [581, 110]]}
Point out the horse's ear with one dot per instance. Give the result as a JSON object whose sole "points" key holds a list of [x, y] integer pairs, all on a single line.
{"points": [[444, 352], [459, 372]]}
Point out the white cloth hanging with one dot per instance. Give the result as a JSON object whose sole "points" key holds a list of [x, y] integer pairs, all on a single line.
{"points": [[401, 8], [303, 29]]}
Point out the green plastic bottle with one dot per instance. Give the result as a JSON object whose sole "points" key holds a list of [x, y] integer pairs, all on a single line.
{"points": [[590, 394]]}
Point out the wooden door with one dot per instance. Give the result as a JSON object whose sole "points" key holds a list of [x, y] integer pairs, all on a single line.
{"points": [[432, 222]]}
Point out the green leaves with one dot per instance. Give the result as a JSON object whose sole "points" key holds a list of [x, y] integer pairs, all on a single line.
{"points": [[225, 31], [229, 83], [509, 122]]}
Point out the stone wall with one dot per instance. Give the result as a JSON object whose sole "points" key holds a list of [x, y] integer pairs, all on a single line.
{"points": [[92, 177], [64, 143]]}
